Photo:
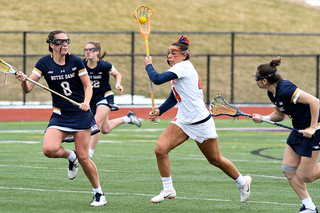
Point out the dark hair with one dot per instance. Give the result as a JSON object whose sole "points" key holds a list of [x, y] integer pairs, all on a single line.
{"points": [[269, 70], [98, 46], [51, 37]]}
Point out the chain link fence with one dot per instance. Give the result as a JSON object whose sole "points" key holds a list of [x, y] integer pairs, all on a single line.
{"points": [[225, 61]]}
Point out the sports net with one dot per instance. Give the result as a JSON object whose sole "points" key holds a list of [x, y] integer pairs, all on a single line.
{"points": [[145, 12], [219, 106], [4, 67]]}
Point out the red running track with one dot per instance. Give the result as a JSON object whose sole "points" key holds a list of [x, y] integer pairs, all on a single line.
{"points": [[22, 114]]}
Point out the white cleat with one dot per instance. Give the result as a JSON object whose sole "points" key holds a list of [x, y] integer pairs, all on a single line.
{"points": [[164, 195], [304, 210], [73, 169], [245, 190], [99, 200]]}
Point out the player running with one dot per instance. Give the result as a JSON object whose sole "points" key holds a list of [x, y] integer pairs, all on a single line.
{"points": [[192, 120], [301, 149], [66, 74], [102, 102]]}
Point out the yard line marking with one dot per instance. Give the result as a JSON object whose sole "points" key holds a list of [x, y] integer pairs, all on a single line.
{"points": [[264, 129], [146, 195], [27, 142]]}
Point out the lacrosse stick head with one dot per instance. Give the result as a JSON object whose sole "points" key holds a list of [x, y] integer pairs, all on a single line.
{"points": [[146, 12], [219, 106], [7, 68]]}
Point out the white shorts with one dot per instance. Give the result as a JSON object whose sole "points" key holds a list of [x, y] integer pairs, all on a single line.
{"points": [[198, 132]]}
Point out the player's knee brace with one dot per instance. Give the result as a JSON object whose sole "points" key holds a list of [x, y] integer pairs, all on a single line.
{"points": [[286, 168]]}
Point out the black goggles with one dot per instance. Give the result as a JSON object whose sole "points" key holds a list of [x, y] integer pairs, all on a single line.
{"points": [[59, 41], [257, 77], [93, 49]]}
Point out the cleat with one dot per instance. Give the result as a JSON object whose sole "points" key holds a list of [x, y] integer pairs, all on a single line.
{"points": [[164, 195], [73, 168], [69, 138], [133, 118], [304, 210], [98, 200], [245, 190]]}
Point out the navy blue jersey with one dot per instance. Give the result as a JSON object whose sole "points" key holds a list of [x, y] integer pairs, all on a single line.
{"points": [[64, 79], [99, 77], [285, 99]]}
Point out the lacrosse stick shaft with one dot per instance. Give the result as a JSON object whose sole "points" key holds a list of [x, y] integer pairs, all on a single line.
{"points": [[54, 92], [275, 123], [151, 85]]}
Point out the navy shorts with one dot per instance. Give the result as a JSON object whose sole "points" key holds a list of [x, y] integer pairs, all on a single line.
{"points": [[303, 146], [74, 120], [108, 101]]}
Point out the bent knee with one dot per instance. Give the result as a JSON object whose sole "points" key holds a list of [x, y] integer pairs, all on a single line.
{"points": [[216, 161], [307, 178], [287, 169], [49, 152]]}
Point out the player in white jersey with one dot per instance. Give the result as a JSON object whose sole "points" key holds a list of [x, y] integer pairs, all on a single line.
{"points": [[66, 74], [193, 120]]}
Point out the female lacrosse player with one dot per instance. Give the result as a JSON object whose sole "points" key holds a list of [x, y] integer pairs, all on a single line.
{"points": [[66, 74], [102, 102], [303, 109], [192, 120]]}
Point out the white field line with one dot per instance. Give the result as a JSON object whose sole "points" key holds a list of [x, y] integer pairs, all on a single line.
{"points": [[145, 195]]}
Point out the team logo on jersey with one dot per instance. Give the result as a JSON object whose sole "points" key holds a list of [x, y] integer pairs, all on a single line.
{"points": [[50, 72], [74, 68]]}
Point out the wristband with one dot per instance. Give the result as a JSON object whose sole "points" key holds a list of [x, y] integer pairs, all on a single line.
{"points": [[266, 118]]}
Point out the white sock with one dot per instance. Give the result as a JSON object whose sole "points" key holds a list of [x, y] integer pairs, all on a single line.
{"points": [[72, 156], [167, 183], [126, 119], [308, 203], [91, 151], [240, 181], [97, 190]]}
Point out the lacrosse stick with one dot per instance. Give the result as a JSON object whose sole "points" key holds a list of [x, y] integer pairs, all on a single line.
{"points": [[8, 69], [142, 15], [219, 106]]}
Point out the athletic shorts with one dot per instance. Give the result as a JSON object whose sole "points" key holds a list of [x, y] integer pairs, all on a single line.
{"points": [[200, 131], [107, 100], [301, 145], [72, 121]]}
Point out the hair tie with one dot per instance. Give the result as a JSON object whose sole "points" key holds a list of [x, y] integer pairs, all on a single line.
{"points": [[184, 40]]}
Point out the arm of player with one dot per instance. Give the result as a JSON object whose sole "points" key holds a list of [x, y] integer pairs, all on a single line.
{"points": [[85, 105], [275, 116], [159, 78], [26, 85], [118, 78], [313, 102]]}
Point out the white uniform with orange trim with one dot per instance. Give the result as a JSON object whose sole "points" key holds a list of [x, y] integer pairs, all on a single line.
{"points": [[191, 107]]}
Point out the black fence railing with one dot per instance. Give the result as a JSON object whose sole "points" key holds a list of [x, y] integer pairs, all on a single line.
{"points": [[224, 60]]}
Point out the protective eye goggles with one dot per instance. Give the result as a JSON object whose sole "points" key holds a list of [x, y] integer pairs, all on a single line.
{"points": [[257, 77], [176, 52], [93, 49], [59, 41]]}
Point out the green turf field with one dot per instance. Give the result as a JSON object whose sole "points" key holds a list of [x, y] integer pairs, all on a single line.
{"points": [[30, 182]]}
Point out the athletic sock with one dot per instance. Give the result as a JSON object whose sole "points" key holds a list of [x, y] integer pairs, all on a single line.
{"points": [[126, 119], [167, 183], [97, 190], [72, 156], [240, 181], [308, 203], [91, 151]]}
